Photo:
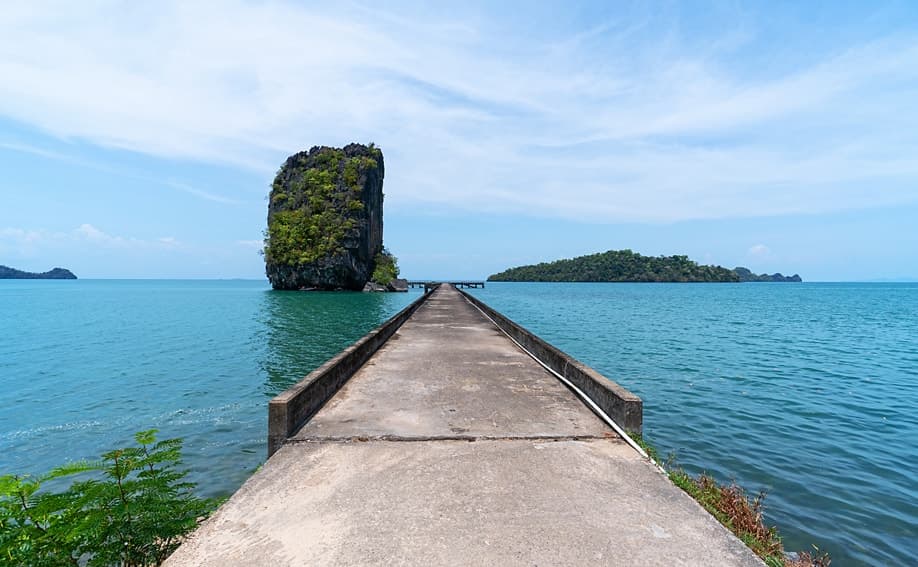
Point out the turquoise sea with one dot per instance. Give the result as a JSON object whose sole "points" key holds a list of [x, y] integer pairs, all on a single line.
{"points": [[84, 364], [809, 391]]}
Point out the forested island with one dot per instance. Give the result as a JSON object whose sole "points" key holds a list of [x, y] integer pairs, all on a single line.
{"points": [[7, 273], [628, 266]]}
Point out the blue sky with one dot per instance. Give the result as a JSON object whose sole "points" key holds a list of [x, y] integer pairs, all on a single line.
{"points": [[140, 139]]}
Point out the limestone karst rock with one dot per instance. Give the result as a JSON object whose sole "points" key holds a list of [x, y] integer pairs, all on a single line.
{"points": [[325, 219]]}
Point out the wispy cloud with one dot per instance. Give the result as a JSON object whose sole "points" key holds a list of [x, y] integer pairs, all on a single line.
{"points": [[251, 244], [201, 193], [23, 236], [759, 251], [84, 235], [621, 120], [91, 164], [52, 155]]}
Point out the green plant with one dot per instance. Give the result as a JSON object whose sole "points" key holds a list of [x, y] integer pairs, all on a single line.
{"points": [[316, 204], [648, 448], [807, 559], [133, 511], [385, 268], [739, 513], [735, 510]]}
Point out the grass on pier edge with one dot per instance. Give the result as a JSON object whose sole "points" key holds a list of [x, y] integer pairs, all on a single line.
{"points": [[738, 512]]}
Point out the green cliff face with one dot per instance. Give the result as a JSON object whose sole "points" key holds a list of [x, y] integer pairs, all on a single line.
{"points": [[325, 219]]}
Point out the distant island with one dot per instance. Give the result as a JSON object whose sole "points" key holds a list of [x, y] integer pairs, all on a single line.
{"points": [[7, 273], [745, 275], [628, 266]]}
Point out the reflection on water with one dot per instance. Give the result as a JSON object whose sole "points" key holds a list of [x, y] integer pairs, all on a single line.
{"points": [[303, 330]]}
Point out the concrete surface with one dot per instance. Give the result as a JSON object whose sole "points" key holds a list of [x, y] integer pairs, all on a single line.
{"points": [[452, 447], [448, 372], [624, 408], [289, 410]]}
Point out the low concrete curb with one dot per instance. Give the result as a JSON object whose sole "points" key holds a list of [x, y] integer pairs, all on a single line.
{"points": [[291, 409], [624, 407]]}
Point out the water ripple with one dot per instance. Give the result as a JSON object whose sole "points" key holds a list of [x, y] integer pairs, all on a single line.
{"points": [[197, 360], [808, 391]]}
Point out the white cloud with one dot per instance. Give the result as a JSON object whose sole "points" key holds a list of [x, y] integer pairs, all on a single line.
{"points": [[201, 193], [470, 112], [43, 152], [759, 251], [252, 244], [21, 235], [26, 240], [94, 253], [92, 233], [71, 159]]}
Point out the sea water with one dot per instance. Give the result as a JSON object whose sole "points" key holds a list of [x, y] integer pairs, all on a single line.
{"points": [[809, 391], [85, 364]]}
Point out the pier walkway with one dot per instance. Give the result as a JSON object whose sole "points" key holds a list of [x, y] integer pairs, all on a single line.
{"points": [[452, 446], [426, 284]]}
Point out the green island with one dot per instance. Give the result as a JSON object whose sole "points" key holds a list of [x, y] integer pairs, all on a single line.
{"points": [[628, 266]]}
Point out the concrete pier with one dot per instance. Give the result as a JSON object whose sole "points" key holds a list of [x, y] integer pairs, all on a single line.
{"points": [[452, 446]]}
